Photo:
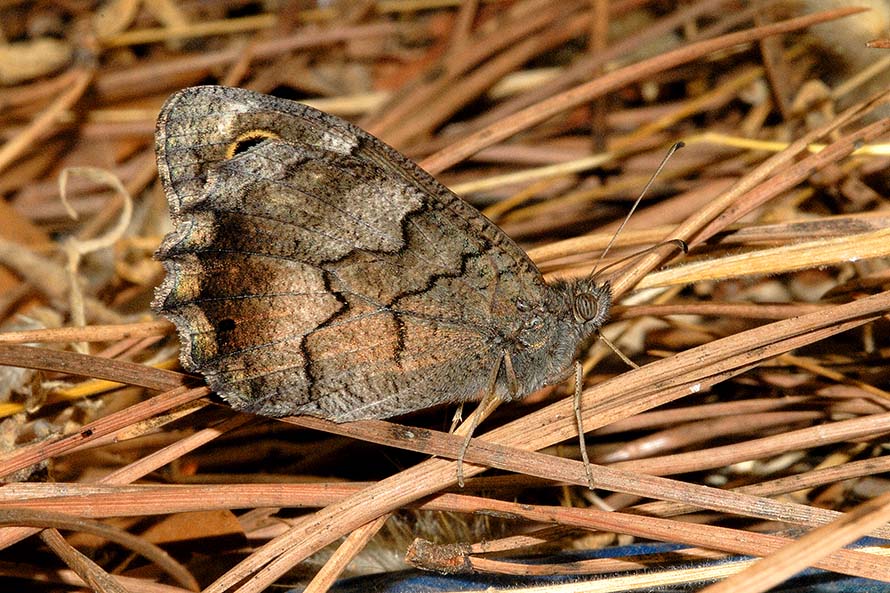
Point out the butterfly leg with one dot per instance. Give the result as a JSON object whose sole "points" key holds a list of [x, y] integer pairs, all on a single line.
{"points": [[486, 406], [618, 352], [457, 418], [579, 377], [512, 380]]}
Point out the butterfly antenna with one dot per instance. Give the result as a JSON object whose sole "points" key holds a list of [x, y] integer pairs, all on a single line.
{"points": [[677, 146], [678, 243]]}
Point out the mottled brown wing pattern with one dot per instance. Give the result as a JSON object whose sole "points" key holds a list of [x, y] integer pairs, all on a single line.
{"points": [[314, 270]]}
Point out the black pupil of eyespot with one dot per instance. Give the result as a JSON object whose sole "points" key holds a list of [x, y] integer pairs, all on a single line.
{"points": [[226, 325], [242, 146], [586, 306]]}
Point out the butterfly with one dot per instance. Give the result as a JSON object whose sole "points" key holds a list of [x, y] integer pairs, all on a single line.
{"points": [[314, 270]]}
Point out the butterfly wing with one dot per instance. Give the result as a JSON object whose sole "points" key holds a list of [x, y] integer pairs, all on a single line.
{"points": [[314, 270]]}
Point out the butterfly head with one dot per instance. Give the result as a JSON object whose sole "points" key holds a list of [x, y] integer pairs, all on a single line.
{"points": [[571, 315]]}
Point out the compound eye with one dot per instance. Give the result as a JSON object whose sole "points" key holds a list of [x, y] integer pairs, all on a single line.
{"points": [[586, 306]]}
